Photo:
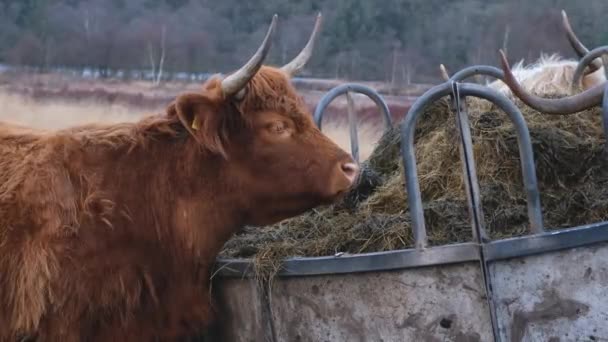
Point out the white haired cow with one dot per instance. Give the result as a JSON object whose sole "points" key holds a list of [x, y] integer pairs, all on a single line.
{"points": [[552, 74]]}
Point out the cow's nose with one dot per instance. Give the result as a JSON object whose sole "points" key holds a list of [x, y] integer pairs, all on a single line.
{"points": [[351, 171]]}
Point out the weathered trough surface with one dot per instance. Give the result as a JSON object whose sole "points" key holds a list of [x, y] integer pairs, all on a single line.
{"points": [[241, 311], [558, 292], [442, 303], [560, 296]]}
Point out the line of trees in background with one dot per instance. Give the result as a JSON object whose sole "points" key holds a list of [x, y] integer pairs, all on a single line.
{"points": [[399, 41]]}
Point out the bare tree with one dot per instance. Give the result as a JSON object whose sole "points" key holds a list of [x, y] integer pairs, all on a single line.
{"points": [[151, 58], [356, 42], [162, 54], [157, 72]]}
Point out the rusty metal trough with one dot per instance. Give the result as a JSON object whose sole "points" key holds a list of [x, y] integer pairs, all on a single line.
{"points": [[546, 286]]}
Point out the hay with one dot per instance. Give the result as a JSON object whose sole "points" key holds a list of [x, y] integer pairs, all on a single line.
{"points": [[374, 217]]}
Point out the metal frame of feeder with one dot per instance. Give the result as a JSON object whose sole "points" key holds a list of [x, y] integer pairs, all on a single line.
{"points": [[492, 256], [348, 89], [540, 241], [601, 51]]}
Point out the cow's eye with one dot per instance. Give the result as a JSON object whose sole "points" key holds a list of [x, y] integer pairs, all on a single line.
{"points": [[278, 127]]}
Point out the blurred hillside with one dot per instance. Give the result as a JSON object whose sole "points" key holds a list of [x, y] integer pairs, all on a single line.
{"points": [[397, 41]]}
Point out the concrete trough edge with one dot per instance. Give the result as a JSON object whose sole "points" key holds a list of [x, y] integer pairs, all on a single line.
{"points": [[356, 263]]}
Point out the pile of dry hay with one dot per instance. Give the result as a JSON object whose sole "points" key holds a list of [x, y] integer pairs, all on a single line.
{"points": [[375, 217]]}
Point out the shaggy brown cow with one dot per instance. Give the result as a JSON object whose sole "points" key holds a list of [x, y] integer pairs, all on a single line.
{"points": [[109, 232]]}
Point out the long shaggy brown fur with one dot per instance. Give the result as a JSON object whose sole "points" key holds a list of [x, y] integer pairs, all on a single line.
{"points": [[67, 217], [109, 232]]}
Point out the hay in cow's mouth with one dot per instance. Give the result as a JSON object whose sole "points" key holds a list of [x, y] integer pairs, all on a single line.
{"points": [[570, 168]]}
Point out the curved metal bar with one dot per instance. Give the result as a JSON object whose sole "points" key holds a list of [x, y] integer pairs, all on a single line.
{"points": [[459, 108], [477, 70], [584, 62], [408, 127], [605, 116], [356, 88], [352, 123]]}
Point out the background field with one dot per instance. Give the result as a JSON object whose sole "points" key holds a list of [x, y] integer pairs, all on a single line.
{"points": [[64, 62], [55, 100]]}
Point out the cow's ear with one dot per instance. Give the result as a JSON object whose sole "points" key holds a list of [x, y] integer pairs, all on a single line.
{"points": [[202, 118]]}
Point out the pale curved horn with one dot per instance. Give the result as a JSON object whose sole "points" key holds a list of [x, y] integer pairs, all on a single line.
{"points": [[298, 63], [444, 72], [562, 106], [580, 49], [235, 82]]}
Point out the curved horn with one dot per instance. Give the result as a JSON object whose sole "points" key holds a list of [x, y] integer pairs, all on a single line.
{"points": [[580, 49], [444, 72], [298, 63], [566, 105], [234, 83], [589, 58]]}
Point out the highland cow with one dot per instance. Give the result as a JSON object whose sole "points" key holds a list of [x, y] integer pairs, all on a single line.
{"points": [[109, 232]]}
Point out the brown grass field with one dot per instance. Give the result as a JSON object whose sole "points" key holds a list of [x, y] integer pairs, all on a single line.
{"points": [[54, 102], [61, 113]]}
